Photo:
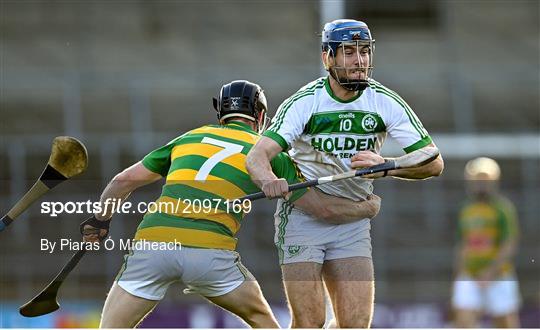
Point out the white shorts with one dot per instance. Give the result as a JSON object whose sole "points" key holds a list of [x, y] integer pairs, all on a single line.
{"points": [[208, 272], [500, 297], [301, 238]]}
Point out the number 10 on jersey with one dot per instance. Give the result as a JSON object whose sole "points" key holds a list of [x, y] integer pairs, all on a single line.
{"points": [[345, 125]]}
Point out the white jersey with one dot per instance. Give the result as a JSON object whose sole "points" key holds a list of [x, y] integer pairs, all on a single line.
{"points": [[322, 132]]}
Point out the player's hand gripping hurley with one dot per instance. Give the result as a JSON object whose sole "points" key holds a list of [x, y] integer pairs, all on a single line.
{"points": [[416, 158]]}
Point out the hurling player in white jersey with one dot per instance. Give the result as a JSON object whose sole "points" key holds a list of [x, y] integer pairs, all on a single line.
{"points": [[331, 125]]}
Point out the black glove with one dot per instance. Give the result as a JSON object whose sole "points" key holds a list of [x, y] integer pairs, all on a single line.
{"points": [[95, 226]]}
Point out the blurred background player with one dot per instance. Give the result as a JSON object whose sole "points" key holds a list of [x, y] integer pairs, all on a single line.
{"points": [[205, 165], [329, 126], [486, 282]]}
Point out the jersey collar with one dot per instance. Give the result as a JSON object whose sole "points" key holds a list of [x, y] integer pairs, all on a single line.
{"points": [[240, 125], [337, 99]]}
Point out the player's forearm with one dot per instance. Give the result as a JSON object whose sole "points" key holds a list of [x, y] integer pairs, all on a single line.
{"points": [[346, 212], [336, 210], [434, 168], [122, 185], [258, 167], [118, 191]]}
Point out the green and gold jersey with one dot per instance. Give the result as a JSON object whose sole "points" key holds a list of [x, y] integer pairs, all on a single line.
{"points": [[204, 169], [483, 227]]}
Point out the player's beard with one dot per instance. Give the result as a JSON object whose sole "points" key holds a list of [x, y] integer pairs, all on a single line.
{"points": [[349, 79]]}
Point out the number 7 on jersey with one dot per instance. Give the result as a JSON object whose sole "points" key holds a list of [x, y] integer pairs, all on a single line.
{"points": [[229, 150]]}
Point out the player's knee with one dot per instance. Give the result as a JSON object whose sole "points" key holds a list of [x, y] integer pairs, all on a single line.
{"points": [[252, 313], [308, 315], [259, 318], [308, 321]]}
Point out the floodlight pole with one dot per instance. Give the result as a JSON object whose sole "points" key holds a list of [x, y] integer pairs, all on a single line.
{"points": [[329, 11]]}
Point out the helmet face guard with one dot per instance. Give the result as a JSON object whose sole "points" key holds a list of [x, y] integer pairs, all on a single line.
{"points": [[353, 38], [243, 99]]}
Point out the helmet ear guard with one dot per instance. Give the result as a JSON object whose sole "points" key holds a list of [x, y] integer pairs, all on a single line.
{"points": [[215, 103]]}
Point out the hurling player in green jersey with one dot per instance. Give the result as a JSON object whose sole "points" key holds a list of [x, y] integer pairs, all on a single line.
{"points": [[205, 165], [488, 232]]}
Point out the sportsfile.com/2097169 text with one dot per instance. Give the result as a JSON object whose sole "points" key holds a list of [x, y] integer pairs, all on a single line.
{"points": [[195, 206]]}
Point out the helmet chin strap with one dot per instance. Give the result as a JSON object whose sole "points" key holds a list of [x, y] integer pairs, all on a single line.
{"points": [[349, 84], [262, 122]]}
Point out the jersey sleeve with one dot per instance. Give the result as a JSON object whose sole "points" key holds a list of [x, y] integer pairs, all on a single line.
{"points": [[403, 125], [290, 120], [284, 167], [508, 220], [159, 160]]}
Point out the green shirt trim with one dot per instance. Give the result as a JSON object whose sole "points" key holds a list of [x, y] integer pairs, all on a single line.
{"points": [[336, 98], [278, 138], [418, 145], [361, 122], [159, 160], [415, 122], [240, 126], [287, 104]]}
